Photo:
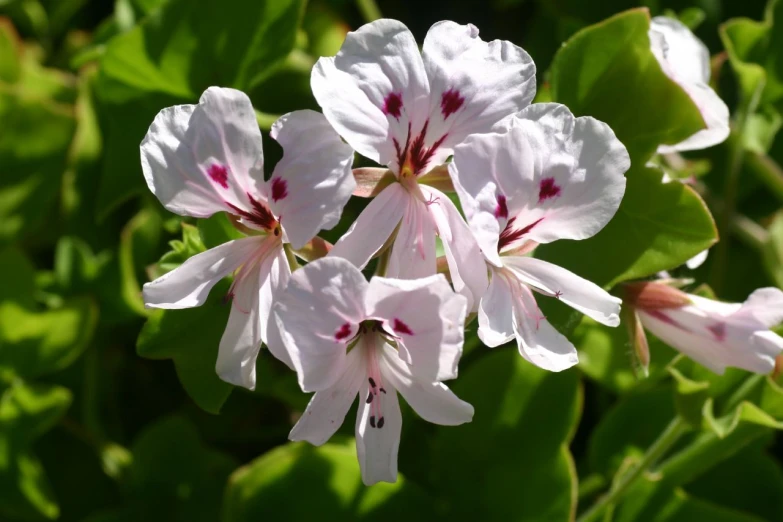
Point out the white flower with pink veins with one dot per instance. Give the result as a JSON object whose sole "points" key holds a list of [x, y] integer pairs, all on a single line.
{"points": [[207, 158], [686, 60], [714, 334], [407, 110], [346, 337], [544, 176]]}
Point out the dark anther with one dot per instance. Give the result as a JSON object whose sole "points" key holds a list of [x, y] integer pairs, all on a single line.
{"points": [[380, 423], [277, 231], [384, 391], [372, 420], [372, 382], [369, 398]]}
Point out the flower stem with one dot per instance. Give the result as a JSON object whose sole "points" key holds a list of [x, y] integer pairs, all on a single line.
{"points": [[266, 120], [676, 428], [369, 10], [767, 171]]}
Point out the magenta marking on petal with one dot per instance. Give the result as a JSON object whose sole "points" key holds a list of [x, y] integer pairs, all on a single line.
{"points": [[343, 332], [219, 174], [450, 102], [279, 189], [718, 330], [393, 104], [663, 317], [260, 215], [511, 234], [548, 189], [400, 327], [501, 210]]}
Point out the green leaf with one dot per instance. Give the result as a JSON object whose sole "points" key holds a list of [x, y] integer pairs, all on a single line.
{"points": [[658, 226], [517, 443], [174, 55], [754, 50], [191, 339], [301, 482], [609, 72], [26, 412], [772, 252]]}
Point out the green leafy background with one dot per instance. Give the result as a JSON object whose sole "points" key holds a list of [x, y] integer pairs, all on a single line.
{"points": [[113, 413]]}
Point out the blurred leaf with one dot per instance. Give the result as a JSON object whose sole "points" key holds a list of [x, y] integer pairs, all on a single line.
{"points": [[138, 246], [10, 51], [609, 72], [517, 443], [754, 50], [658, 226], [26, 412], [76, 267], [301, 482], [217, 230], [174, 55], [773, 250]]}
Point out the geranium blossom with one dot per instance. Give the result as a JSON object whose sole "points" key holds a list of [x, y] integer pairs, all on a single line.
{"points": [[347, 337], [207, 158], [407, 110], [715, 334], [686, 60], [544, 176]]}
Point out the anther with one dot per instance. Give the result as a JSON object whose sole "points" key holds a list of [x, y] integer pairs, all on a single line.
{"points": [[369, 398], [372, 382], [380, 423], [372, 420], [384, 391]]}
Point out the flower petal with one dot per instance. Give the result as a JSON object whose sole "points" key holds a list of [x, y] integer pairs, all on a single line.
{"points": [[369, 91], [496, 312], [686, 60], [433, 401], [413, 252], [189, 284], [473, 83], [426, 317], [467, 267], [249, 317], [377, 441], [318, 314], [578, 293], [373, 226], [765, 306], [327, 409], [577, 183], [312, 182], [205, 158]]}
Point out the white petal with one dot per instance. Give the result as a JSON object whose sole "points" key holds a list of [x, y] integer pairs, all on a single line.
{"points": [[537, 340], [413, 252], [189, 284], [765, 305], [578, 181], [327, 409], [250, 314], [433, 401], [473, 83], [578, 293], [467, 267], [372, 88], [686, 60], [318, 314], [697, 260], [313, 181], [205, 158], [426, 317], [373, 226], [496, 312], [377, 446]]}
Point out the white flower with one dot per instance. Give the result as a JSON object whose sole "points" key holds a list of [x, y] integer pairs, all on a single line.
{"points": [[545, 176], [339, 332], [686, 60], [715, 334], [407, 110], [207, 158]]}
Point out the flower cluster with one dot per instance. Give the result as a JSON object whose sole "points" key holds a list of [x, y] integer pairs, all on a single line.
{"points": [[524, 175]]}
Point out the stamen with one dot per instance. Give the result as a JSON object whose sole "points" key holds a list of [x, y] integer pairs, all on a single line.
{"points": [[380, 423], [369, 398], [372, 420]]}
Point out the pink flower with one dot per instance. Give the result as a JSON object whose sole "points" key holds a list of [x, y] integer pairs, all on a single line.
{"points": [[544, 176], [207, 158], [407, 110], [347, 337]]}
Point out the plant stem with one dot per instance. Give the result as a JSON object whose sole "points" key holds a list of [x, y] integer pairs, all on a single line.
{"points": [[266, 120], [369, 10], [767, 171], [676, 428]]}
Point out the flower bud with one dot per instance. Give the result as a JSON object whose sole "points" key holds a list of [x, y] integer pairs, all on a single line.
{"points": [[649, 295], [638, 338]]}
